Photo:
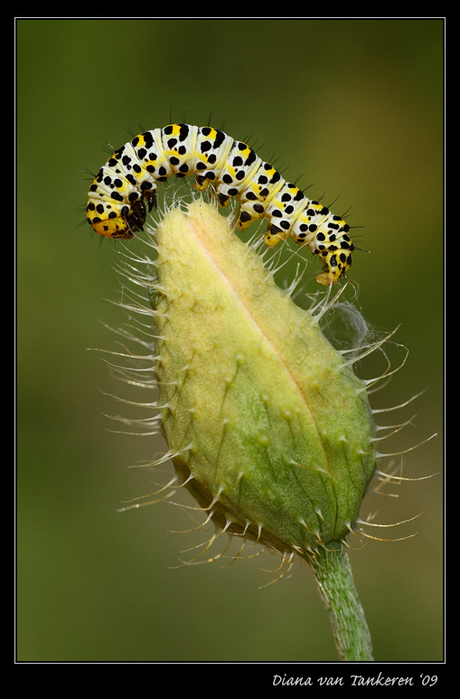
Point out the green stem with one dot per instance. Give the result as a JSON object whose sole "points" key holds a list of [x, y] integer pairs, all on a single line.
{"points": [[332, 571]]}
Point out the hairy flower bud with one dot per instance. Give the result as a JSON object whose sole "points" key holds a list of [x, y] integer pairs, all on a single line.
{"points": [[268, 426]]}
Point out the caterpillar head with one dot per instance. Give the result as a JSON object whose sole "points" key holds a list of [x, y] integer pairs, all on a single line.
{"points": [[109, 221], [115, 227]]}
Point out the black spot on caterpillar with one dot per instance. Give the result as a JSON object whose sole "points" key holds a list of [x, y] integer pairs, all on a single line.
{"points": [[124, 191]]}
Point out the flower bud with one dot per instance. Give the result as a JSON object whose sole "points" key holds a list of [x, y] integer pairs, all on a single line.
{"points": [[268, 426]]}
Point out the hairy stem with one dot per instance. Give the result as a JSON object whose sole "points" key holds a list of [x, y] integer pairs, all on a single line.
{"points": [[331, 567]]}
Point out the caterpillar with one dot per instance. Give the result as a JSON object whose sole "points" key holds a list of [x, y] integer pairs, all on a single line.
{"points": [[125, 189]]}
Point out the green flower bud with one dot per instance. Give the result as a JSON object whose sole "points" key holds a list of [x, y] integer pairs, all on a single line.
{"points": [[268, 426]]}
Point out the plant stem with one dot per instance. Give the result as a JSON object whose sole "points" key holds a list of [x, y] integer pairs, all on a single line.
{"points": [[331, 567]]}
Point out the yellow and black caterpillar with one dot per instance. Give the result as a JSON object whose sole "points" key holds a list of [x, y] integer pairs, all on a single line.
{"points": [[124, 190]]}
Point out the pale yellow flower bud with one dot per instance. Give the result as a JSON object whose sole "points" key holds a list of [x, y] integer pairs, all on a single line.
{"points": [[269, 427]]}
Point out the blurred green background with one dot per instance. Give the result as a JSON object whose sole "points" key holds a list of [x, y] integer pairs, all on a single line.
{"points": [[355, 105]]}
